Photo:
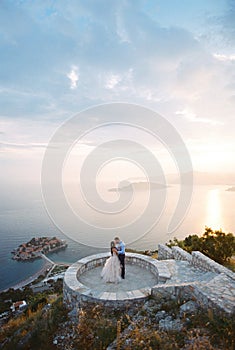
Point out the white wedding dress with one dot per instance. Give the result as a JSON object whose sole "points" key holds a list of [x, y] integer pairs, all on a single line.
{"points": [[112, 270]]}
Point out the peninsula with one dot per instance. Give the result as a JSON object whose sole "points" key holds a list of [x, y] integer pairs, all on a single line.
{"points": [[36, 247]]}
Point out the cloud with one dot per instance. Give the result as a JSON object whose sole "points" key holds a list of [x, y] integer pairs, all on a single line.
{"points": [[14, 146], [112, 81], [138, 52], [224, 58], [192, 117], [73, 76], [122, 53]]}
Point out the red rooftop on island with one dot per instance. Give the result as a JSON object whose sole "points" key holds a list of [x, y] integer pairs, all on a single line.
{"points": [[38, 246]]}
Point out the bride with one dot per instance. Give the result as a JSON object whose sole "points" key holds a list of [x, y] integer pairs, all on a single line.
{"points": [[112, 269]]}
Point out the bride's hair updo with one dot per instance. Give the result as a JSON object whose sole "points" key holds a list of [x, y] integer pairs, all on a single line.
{"points": [[112, 245]]}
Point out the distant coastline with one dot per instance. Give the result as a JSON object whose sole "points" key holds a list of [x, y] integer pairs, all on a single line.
{"points": [[139, 186], [45, 268]]}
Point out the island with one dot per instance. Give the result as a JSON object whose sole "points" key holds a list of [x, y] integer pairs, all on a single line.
{"points": [[231, 189], [138, 186], [37, 247]]}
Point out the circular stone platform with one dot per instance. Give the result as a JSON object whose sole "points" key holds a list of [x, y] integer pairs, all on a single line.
{"points": [[82, 281], [135, 279]]}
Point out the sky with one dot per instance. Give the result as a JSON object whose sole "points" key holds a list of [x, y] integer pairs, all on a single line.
{"points": [[58, 58]]}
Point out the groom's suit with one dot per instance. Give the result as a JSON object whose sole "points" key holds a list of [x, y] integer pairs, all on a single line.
{"points": [[121, 255]]}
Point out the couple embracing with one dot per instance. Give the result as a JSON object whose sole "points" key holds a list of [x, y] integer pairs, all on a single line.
{"points": [[114, 268]]}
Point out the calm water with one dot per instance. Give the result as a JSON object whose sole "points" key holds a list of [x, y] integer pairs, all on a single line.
{"points": [[23, 216]]}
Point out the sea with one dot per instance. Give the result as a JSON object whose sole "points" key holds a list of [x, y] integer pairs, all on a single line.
{"points": [[23, 216]]}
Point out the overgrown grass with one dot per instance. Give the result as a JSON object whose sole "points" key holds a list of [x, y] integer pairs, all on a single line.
{"points": [[34, 330], [203, 333], [136, 328], [98, 327]]}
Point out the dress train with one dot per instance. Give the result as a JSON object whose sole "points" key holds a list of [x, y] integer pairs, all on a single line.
{"points": [[112, 270]]}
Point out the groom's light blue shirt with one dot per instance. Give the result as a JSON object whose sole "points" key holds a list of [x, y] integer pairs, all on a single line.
{"points": [[121, 249]]}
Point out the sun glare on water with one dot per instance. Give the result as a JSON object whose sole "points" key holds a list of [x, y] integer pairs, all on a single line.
{"points": [[214, 216]]}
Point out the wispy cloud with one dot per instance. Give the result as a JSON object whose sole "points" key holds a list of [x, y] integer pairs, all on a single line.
{"points": [[15, 146], [192, 117], [73, 76], [112, 81], [160, 56], [224, 58]]}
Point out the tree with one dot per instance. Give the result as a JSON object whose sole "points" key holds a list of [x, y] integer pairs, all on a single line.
{"points": [[217, 245], [192, 242]]}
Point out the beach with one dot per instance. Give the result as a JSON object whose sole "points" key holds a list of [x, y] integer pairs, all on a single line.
{"points": [[46, 267]]}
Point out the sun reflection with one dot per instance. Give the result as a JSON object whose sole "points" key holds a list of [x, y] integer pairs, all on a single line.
{"points": [[214, 217]]}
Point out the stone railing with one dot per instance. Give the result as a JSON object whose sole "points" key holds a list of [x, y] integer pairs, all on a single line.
{"points": [[75, 292], [164, 252], [143, 261], [181, 254], [210, 292], [204, 263], [196, 259]]}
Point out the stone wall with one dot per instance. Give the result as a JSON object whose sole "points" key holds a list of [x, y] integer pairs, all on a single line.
{"points": [[194, 291], [217, 293], [203, 262], [164, 252], [175, 252], [173, 291], [181, 254], [75, 292], [196, 259]]}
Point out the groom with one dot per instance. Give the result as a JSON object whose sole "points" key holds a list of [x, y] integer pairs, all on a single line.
{"points": [[121, 254]]}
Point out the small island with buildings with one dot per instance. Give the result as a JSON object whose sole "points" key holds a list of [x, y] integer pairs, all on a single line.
{"points": [[231, 189], [37, 247]]}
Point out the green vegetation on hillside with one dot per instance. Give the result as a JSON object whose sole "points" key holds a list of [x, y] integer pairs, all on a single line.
{"points": [[217, 245], [33, 329], [26, 293], [135, 328]]}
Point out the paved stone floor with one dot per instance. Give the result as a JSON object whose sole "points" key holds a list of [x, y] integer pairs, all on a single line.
{"points": [[217, 287], [182, 272], [136, 278]]}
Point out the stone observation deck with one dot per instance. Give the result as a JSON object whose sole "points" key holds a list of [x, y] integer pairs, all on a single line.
{"points": [[176, 273], [142, 273]]}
